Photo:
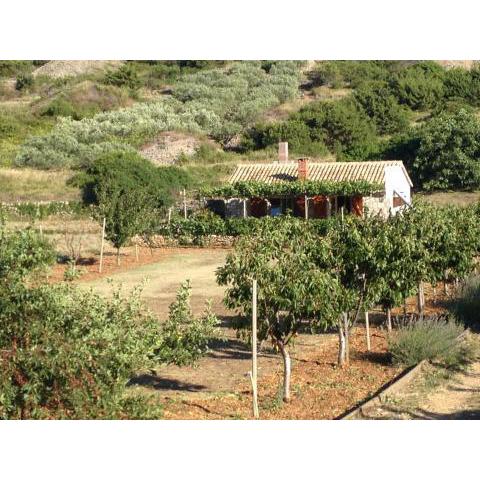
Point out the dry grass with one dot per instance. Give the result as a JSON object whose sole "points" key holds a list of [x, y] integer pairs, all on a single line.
{"points": [[451, 198], [22, 185]]}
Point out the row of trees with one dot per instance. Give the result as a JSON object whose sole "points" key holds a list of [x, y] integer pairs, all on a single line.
{"points": [[324, 279]]}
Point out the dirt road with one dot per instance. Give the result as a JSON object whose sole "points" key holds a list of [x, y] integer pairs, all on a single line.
{"points": [[435, 395]]}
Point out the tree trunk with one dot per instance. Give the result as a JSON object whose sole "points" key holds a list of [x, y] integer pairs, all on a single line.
{"points": [[367, 330], [286, 370], [389, 320], [343, 344], [118, 257], [347, 339], [420, 299]]}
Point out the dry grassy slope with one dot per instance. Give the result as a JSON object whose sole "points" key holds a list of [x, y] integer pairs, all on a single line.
{"points": [[68, 68]]}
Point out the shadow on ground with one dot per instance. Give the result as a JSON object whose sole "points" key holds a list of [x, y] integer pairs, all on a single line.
{"points": [[421, 414], [159, 383]]}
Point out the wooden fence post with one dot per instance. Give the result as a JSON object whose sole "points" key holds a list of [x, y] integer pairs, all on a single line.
{"points": [[244, 208], [254, 349], [306, 207], [136, 251], [184, 204], [389, 320], [102, 245], [169, 215], [367, 330]]}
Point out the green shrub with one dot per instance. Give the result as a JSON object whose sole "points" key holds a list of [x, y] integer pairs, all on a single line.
{"points": [[24, 82], [295, 132], [448, 156], [343, 126], [382, 107], [466, 305], [69, 353], [124, 76], [12, 68], [131, 172], [348, 73], [425, 339], [184, 337], [457, 83], [419, 86]]}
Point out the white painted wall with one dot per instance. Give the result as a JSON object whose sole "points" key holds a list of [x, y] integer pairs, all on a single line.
{"points": [[396, 181]]}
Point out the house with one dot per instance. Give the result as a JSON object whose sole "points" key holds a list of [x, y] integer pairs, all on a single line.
{"points": [[379, 187]]}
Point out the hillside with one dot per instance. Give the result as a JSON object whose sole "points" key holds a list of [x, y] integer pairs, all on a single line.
{"points": [[206, 116]]}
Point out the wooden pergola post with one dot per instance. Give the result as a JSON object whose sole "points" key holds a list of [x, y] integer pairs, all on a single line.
{"points": [[254, 349]]}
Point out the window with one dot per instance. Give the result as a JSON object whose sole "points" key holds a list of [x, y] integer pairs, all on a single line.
{"points": [[397, 201]]}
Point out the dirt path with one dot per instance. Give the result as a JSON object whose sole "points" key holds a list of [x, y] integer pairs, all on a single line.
{"points": [[435, 395]]}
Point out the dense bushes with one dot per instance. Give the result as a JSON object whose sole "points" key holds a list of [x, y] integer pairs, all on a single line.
{"points": [[70, 353], [382, 107], [442, 154], [419, 86], [425, 339], [131, 172], [351, 74], [343, 127], [218, 102], [24, 82]]}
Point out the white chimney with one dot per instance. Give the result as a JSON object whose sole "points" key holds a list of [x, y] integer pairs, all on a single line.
{"points": [[283, 152]]}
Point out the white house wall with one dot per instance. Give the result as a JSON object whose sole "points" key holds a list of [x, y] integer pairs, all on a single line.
{"points": [[396, 181]]}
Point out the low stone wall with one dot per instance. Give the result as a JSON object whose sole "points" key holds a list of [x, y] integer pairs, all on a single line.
{"points": [[159, 241]]}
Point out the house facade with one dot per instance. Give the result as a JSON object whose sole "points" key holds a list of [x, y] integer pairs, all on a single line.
{"points": [[393, 193]]}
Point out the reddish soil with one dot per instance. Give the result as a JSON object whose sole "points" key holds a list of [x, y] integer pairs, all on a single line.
{"points": [[320, 390]]}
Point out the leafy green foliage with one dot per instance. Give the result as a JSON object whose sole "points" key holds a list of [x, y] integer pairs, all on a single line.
{"points": [[124, 171], [24, 82], [12, 68], [347, 73], [449, 153], [124, 76], [69, 353], [184, 337], [381, 106], [21, 254], [419, 86], [303, 187], [342, 126], [466, 304], [425, 339]]}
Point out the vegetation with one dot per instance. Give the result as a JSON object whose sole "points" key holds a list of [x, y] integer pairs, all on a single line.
{"points": [[68, 353], [218, 102], [465, 306], [425, 339], [184, 338], [303, 187]]}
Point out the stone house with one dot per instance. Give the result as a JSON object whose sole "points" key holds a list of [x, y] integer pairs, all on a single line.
{"points": [[392, 177]]}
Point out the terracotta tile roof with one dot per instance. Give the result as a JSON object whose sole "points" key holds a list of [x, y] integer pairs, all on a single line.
{"points": [[372, 171]]}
